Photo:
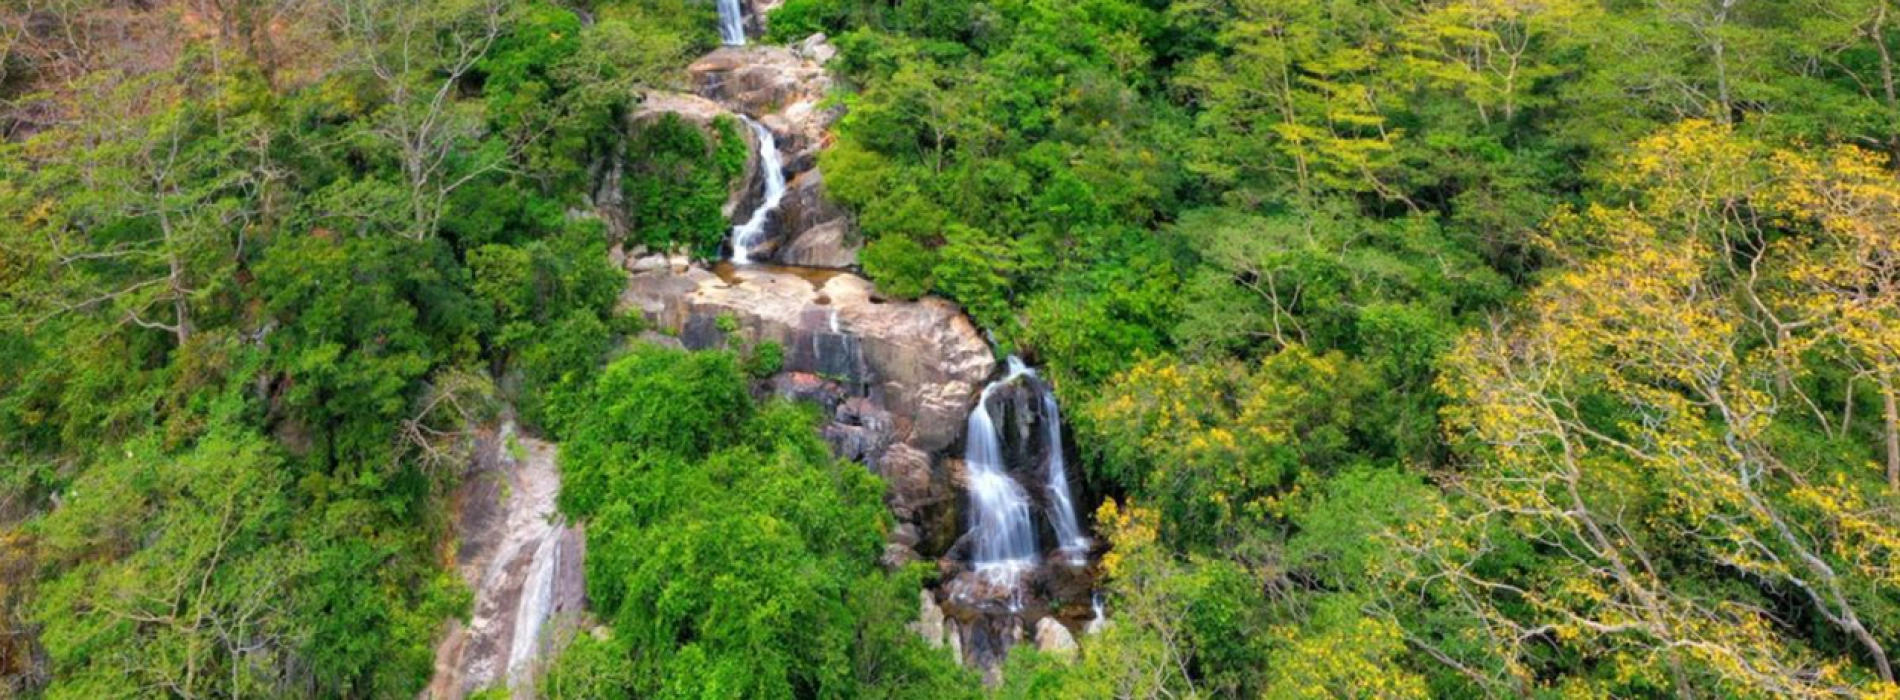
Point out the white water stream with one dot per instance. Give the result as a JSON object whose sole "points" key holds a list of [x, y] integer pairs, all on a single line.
{"points": [[1061, 508], [536, 606], [1000, 517], [746, 235], [999, 508], [731, 23]]}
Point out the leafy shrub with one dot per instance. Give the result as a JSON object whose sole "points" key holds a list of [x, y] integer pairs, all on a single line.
{"points": [[678, 180]]}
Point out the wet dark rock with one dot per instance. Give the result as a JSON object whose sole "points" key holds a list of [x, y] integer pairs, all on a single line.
{"points": [[985, 642], [1019, 413]]}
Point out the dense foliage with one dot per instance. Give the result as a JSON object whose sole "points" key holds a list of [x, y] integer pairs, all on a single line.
{"points": [[733, 554], [1427, 348], [1435, 348], [257, 269], [679, 183]]}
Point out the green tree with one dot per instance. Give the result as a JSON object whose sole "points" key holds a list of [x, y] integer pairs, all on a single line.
{"points": [[732, 553], [175, 569]]}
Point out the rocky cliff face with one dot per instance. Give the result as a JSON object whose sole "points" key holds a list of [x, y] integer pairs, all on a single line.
{"points": [[522, 562], [897, 377], [783, 88], [896, 380]]}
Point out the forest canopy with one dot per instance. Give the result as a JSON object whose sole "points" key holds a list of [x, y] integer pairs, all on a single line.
{"points": [[1435, 348]]}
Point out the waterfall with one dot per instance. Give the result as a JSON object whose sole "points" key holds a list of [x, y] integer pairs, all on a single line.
{"points": [[1061, 509], [1000, 517], [731, 23], [535, 606], [999, 509], [745, 235], [1100, 621]]}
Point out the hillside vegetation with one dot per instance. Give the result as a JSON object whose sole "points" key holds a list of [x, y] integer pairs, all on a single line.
{"points": [[1414, 348]]}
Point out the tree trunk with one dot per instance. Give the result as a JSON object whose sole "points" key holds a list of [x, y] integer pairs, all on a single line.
{"points": [[1891, 412], [1878, 35]]}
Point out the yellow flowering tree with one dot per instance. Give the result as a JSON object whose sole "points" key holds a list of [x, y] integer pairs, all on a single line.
{"points": [[1633, 425], [1846, 275], [1218, 447]]}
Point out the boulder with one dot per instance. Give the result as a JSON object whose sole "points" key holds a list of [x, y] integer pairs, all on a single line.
{"points": [[858, 443], [805, 205], [861, 431], [758, 80], [984, 643], [1054, 639], [833, 245], [922, 498], [896, 556], [922, 360], [929, 624], [905, 534], [816, 233], [953, 638], [693, 108], [816, 48], [910, 483], [975, 595], [1069, 584]]}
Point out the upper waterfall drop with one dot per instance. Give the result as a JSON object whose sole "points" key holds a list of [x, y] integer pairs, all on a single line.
{"points": [[731, 23], [1005, 538], [744, 235]]}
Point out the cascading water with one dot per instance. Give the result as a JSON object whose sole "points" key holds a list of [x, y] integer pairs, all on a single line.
{"points": [[521, 562], [1005, 538], [1061, 509], [535, 607], [731, 23], [744, 235], [1099, 621]]}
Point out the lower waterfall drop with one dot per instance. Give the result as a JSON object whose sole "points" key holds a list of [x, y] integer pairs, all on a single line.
{"points": [[536, 605], [1005, 537], [1069, 535]]}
